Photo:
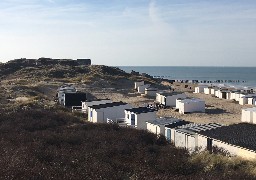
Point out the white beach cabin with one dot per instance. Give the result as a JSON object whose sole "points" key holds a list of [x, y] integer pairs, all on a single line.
{"points": [[157, 126], [86, 104], [150, 91], [190, 105], [245, 99], [137, 84], [187, 136], [102, 112], [141, 89], [200, 88], [137, 117], [249, 115], [169, 98]]}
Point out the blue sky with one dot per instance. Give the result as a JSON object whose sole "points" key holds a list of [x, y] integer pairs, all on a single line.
{"points": [[131, 32]]}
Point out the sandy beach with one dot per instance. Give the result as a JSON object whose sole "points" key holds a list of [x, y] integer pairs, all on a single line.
{"points": [[217, 110]]}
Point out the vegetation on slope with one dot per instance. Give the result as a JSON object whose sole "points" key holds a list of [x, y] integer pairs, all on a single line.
{"points": [[55, 145]]}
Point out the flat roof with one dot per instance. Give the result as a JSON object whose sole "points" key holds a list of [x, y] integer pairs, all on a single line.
{"points": [[192, 100], [242, 134], [196, 128], [250, 109], [164, 121], [140, 110], [95, 100], [178, 124], [107, 105], [170, 93]]}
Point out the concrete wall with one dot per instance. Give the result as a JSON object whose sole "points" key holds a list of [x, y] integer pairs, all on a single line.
{"points": [[180, 139], [236, 150]]}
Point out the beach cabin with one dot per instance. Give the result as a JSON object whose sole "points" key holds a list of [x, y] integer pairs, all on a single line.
{"points": [[252, 100], [249, 115], [238, 95], [86, 104], [158, 126], [151, 91], [200, 88], [102, 112], [233, 94], [238, 139], [169, 98], [213, 90], [62, 90], [217, 93], [224, 94], [207, 90], [187, 136], [245, 99], [74, 99], [190, 105], [137, 117], [141, 89], [137, 84]]}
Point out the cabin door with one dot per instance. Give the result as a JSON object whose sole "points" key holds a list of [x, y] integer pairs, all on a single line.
{"points": [[209, 145]]}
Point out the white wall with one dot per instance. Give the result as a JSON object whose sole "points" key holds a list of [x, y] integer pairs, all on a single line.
{"points": [[142, 118], [101, 115], [141, 89], [171, 100], [207, 90], [243, 100], [200, 89], [191, 106]]}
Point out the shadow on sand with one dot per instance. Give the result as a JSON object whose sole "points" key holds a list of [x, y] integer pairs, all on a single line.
{"points": [[215, 111]]}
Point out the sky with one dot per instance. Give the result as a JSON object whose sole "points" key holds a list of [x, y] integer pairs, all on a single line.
{"points": [[131, 32]]}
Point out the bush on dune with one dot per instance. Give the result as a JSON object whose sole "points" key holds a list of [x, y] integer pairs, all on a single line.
{"points": [[53, 145]]}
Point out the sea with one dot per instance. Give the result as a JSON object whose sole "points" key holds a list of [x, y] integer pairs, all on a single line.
{"points": [[238, 77]]}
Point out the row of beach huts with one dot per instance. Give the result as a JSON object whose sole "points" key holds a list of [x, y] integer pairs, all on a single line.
{"points": [[237, 139], [242, 96]]}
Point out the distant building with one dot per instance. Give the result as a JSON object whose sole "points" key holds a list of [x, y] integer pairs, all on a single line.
{"points": [[84, 62]]}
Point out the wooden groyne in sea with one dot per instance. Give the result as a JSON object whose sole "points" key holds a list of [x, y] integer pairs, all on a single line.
{"points": [[199, 81]]}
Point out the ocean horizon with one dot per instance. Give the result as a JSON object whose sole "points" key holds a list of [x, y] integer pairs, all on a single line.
{"points": [[232, 76]]}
